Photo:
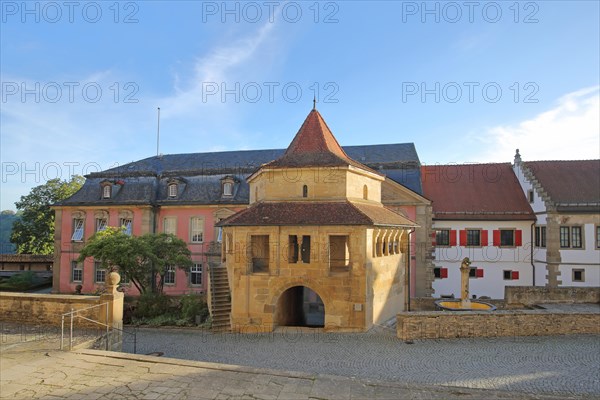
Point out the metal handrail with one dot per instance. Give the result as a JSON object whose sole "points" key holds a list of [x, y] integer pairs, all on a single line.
{"points": [[74, 313]]}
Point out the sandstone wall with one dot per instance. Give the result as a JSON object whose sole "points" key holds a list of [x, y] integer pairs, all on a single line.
{"points": [[529, 295]]}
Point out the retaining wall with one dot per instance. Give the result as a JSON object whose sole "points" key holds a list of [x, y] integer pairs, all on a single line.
{"points": [[530, 295], [457, 324]]}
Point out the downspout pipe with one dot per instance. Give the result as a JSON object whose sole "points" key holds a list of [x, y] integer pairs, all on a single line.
{"points": [[412, 230], [531, 237]]}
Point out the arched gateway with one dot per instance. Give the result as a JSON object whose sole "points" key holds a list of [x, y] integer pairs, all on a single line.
{"points": [[300, 306]]}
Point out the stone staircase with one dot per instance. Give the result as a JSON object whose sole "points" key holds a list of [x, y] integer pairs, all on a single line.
{"points": [[220, 299]]}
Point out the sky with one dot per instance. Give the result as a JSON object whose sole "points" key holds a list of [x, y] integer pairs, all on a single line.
{"points": [[82, 81]]}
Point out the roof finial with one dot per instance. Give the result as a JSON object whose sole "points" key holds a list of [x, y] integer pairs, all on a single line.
{"points": [[314, 102], [517, 157]]}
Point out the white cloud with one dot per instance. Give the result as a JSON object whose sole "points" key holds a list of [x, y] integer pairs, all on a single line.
{"points": [[570, 130]]}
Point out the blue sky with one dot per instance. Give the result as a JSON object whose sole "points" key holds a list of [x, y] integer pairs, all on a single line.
{"points": [[466, 82]]}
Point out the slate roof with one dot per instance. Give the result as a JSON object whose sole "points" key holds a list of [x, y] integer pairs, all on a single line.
{"points": [[569, 184], [475, 192], [316, 213]]}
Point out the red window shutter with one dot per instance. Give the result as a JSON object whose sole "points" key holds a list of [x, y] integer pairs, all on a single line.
{"points": [[452, 238], [484, 237], [433, 243], [444, 273], [515, 275], [463, 238], [518, 237], [496, 238], [479, 273]]}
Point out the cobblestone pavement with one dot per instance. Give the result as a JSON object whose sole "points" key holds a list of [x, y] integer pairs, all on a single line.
{"points": [[559, 365], [36, 370]]}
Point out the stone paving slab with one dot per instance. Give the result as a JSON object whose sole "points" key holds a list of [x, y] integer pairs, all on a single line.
{"points": [[38, 371]]}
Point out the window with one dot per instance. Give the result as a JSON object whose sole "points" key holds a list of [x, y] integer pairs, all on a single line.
{"points": [[259, 253], [440, 273], [127, 224], [293, 249], [473, 237], [475, 272], [540, 236], [578, 275], [304, 191], [169, 275], [305, 249], [99, 272], [365, 192], [228, 189], [76, 272], [507, 237], [196, 229], [571, 237], [565, 241], [510, 275], [576, 234], [530, 195], [170, 225], [598, 237], [196, 274], [339, 252], [172, 190], [101, 224], [106, 191], [77, 230], [442, 237]]}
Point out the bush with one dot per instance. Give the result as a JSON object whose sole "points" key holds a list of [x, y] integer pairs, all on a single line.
{"points": [[22, 281], [193, 305], [151, 305]]}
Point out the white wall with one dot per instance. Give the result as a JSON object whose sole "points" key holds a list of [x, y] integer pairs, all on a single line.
{"points": [[538, 204], [493, 260]]}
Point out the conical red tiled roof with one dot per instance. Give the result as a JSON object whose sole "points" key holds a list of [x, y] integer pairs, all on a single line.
{"points": [[314, 145]]}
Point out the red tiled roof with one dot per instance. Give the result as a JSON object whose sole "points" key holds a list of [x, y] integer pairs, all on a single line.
{"points": [[315, 145], [475, 192], [575, 182], [316, 213]]}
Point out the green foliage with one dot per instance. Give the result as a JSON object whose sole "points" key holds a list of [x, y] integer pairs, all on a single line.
{"points": [[7, 219], [34, 232], [22, 281], [193, 305], [159, 310], [142, 259], [152, 305]]}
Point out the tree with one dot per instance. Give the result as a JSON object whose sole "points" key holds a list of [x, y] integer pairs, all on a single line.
{"points": [[7, 219], [142, 259], [34, 232]]}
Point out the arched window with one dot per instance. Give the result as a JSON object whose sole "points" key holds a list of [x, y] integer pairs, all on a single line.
{"points": [[106, 192], [173, 190], [365, 192], [304, 191]]}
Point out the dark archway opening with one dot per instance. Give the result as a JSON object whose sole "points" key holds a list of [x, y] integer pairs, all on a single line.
{"points": [[300, 306]]}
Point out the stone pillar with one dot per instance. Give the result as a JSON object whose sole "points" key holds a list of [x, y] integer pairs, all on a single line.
{"points": [[58, 214], [553, 257], [111, 312]]}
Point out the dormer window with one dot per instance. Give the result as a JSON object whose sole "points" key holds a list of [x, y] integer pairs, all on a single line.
{"points": [[227, 189], [172, 190], [106, 191]]}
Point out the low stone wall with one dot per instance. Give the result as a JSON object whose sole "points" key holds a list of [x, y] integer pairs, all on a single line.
{"points": [[457, 324], [530, 295], [47, 309]]}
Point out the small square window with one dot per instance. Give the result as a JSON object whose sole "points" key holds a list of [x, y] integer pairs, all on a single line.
{"points": [[578, 275], [507, 274], [530, 195], [437, 272], [473, 273]]}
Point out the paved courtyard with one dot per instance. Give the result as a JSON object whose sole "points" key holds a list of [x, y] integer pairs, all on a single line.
{"points": [[554, 365]]}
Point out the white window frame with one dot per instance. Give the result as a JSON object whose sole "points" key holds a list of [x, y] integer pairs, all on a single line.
{"points": [[101, 224], [167, 222], [128, 224], [169, 272], [99, 271], [196, 229], [227, 189], [196, 269], [75, 266], [78, 229], [106, 192], [172, 189]]}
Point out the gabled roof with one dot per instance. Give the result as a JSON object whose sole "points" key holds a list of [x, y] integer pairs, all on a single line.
{"points": [[569, 183], [475, 192], [314, 146], [316, 213]]}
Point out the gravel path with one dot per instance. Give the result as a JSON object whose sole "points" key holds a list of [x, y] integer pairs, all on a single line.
{"points": [[568, 365]]}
